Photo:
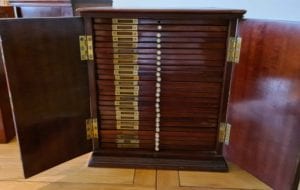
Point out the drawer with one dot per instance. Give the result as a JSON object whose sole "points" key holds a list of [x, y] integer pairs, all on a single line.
{"points": [[219, 22], [153, 68], [126, 98], [164, 85], [181, 63], [144, 40], [169, 48], [165, 102], [207, 55], [112, 146], [129, 108], [123, 124], [143, 116], [163, 34], [176, 77], [159, 28], [195, 51]]}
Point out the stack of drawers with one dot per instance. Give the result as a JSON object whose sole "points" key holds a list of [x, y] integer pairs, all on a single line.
{"points": [[159, 82]]}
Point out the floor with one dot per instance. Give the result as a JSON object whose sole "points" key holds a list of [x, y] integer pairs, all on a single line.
{"points": [[75, 175]]}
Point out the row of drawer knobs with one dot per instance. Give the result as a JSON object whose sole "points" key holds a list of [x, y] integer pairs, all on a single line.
{"points": [[157, 94]]}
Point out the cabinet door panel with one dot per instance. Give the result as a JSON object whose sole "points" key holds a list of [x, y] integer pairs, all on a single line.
{"points": [[264, 106], [49, 87]]}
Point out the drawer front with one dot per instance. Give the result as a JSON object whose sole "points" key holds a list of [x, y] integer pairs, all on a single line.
{"points": [[159, 82]]}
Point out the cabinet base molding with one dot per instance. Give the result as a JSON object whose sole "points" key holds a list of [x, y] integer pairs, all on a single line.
{"points": [[211, 163]]}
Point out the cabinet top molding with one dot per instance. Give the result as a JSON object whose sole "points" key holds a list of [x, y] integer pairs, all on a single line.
{"points": [[186, 11]]}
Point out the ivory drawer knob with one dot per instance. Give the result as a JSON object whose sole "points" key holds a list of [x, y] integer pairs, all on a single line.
{"points": [[158, 69], [157, 110], [157, 99], [158, 45], [157, 105], [158, 35], [157, 115], [157, 85], [156, 135], [158, 41], [158, 63], [158, 52], [157, 119], [156, 148], [157, 125], [158, 74], [158, 57], [159, 27], [157, 95], [157, 129], [158, 90], [158, 79]]}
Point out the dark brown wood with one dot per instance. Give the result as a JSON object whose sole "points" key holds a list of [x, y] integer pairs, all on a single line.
{"points": [[211, 164], [7, 12], [264, 105], [191, 13], [43, 8], [7, 131], [49, 89], [175, 34]]}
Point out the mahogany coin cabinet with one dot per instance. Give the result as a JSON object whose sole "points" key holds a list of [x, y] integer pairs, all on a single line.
{"points": [[140, 88]]}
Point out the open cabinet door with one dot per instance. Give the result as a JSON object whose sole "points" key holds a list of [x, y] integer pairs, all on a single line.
{"points": [[264, 108], [49, 89]]}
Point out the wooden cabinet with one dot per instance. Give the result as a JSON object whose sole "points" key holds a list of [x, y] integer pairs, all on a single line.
{"points": [[149, 86], [43, 8], [7, 131]]}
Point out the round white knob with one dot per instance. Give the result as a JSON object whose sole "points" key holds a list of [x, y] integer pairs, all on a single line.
{"points": [[159, 27], [157, 120], [156, 149], [158, 74], [157, 125], [158, 63], [156, 135], [158, 52], [158, 79], [158, 69], [158, 45], [158, 35], [157, 99], [158, 115], [157, 105], [158, 57], [157, 85], [157, 110], [157, 95], [157, 129], [158, 90], [158, 40]]}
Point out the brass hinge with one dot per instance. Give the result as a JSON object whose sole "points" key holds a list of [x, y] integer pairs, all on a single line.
{"points": [[224, 133], [92, 128], [86, 47], [234, 49]]}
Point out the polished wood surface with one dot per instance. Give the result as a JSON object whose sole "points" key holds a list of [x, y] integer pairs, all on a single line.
{"points": [[7, 12], [265, 102], [7, 131], [74, 175], [49, 89]]}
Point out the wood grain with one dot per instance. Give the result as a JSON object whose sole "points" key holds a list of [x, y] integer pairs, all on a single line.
{"points": [[265, 102], [75, 175]]}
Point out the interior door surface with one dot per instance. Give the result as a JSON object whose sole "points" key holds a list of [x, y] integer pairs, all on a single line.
{"points": [[49, 89]]}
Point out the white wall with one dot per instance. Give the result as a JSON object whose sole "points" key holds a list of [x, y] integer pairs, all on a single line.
{"points": [[262, 9]]}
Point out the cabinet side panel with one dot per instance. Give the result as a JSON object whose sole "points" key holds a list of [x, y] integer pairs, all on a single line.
{"points": [[265, 102], [49, 87]]}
